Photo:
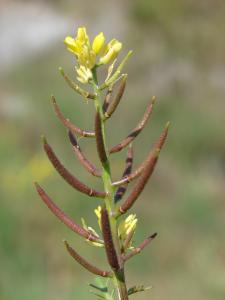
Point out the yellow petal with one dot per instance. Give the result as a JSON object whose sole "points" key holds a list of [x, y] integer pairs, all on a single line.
{"points": [[114, 48], [98, 43], [82, 35], [71, 44]]}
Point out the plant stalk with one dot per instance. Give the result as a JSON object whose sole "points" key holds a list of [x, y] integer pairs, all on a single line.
{"points": [[119, 276]]}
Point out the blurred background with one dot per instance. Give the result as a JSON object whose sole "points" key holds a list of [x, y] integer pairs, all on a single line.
{"points": [[179, 56]]}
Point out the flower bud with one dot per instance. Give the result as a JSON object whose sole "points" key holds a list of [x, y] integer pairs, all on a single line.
{"points": [[98, 43]]}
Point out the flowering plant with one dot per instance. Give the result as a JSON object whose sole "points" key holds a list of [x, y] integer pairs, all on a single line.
{"points": [[116, 232]]}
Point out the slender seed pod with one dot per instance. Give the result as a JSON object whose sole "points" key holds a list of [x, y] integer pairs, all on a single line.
{"points": [[69, 178], [128, 168], [68, 124], [135, 132], [158, 145], [138, 188], [115, 102], [137, 250], [108, 241], [75, 86], [83, 262], [99, 139], [82, 159], [107, 99], [63, 217]]}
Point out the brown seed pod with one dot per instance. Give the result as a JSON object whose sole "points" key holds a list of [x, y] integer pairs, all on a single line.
{"points": [[107, 99], [158, 145], [108, 241], [82, 159], [63, 217], [135, 132], [128, 168], [69, 178], [99, 139], [137, 250], [68, 124], [115, 102], [83, 262], [138, 188]]}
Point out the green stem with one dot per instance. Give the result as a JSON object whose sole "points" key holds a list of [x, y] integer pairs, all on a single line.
{"points": [[119, 276]]}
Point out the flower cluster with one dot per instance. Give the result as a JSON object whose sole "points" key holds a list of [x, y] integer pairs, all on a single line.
{"points": [[87, 53]]}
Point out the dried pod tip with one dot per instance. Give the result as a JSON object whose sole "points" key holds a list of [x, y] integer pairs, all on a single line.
{"points": [[154, 99], [53, 99], [154, 235], [44, 140], [167, 125], [61, 71]]}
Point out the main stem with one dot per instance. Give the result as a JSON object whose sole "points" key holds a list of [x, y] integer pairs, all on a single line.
{"points": [[119, 276]]}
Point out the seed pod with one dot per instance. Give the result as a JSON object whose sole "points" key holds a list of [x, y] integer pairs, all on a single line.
{"points": [[99, 139], [83, 262], [108, 241], [76, 87], [158, 145], [82, 159], [69, 178], [138, 188], [115, 102], [128, 168], [68, 124], [137, 250], [63, 217], [107, 99], [135, 132]]}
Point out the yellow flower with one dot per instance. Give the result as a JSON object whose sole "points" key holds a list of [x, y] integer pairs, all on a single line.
{"points": [[84, 74], [111, 51], [86, 53], [98, 214], [126, 226], [91, 230]]}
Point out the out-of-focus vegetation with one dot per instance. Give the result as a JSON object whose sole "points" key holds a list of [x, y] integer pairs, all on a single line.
{"points": [[179, 51]]}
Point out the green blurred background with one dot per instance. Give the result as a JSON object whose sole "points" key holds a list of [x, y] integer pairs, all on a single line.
{"points": [[179, 56]]}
